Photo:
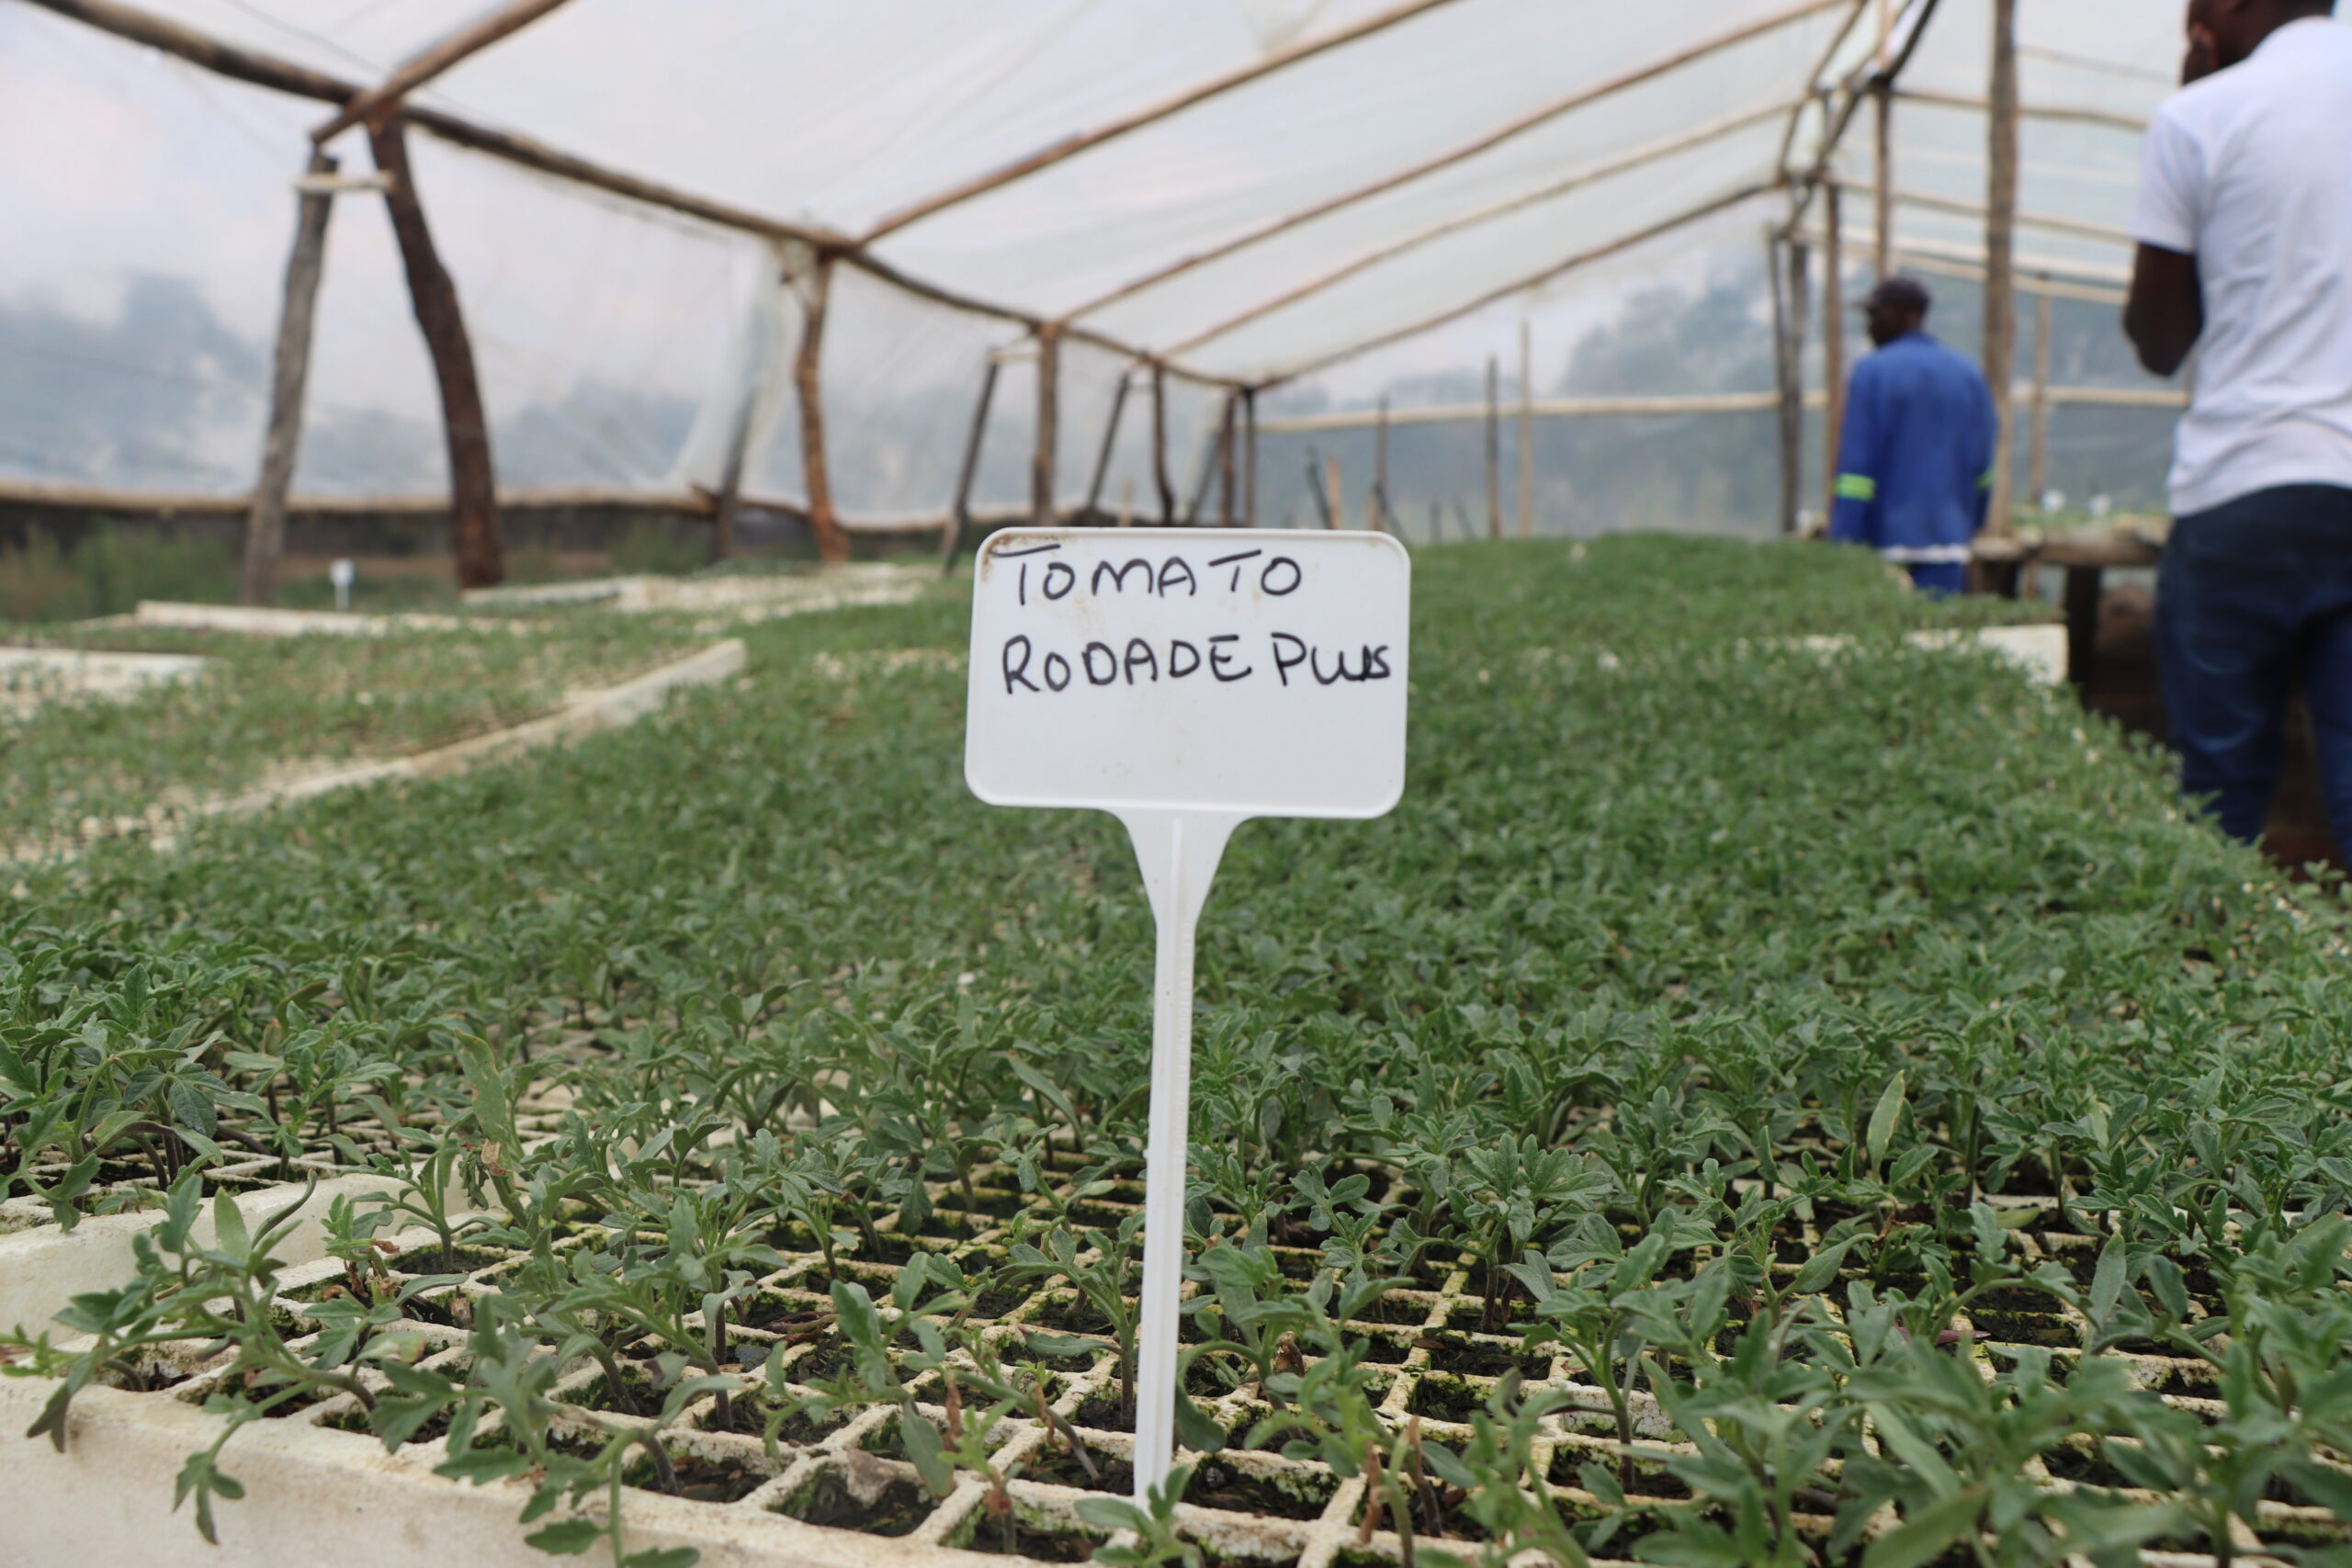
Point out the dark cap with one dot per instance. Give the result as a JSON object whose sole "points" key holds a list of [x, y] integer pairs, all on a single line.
{"points": [[1900, 292]]}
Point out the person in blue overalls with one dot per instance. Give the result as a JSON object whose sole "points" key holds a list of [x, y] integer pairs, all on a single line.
{"points": [[1915, 459]]}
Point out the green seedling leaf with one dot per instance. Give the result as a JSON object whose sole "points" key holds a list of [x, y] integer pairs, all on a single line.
{"points": [[567, 1537], [1883, 1120]]}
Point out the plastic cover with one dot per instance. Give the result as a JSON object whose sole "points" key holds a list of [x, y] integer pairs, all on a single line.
{"points": [[622, 346]]}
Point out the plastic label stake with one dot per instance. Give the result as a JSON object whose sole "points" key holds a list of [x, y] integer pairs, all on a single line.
{"points": [[1185, 680]]}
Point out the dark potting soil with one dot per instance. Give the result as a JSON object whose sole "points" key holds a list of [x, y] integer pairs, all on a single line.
{"points": [[1015, 1539], [431, 1259], [1450, 1354], [825, 1359], [1649, 1480], [1103, 1414], [1448, 1520], [700, 1479], [897, 1509], [1216, 1484], [1070, 1316], [1442, 1399], [435, 1428], [643, 1398], [1060, 1467], [780, 1315], [1396, 1309], [749, 1418]]}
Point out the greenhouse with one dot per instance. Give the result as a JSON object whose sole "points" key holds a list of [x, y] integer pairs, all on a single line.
{"points": [[632, 633]]}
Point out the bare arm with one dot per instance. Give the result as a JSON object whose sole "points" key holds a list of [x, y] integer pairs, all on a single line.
{"points": [[2167, 311]]}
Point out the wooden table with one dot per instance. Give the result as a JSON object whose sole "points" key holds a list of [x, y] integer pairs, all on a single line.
{"points": [[2000, 566]]}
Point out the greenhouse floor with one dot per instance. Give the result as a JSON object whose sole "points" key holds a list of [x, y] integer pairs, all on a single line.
{"points": [[1773, 1093]]}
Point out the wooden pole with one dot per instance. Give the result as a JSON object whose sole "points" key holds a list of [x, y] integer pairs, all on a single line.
{"points": [[1526, 431], [1226, 516], [959, 516], [1109, 440], [1882, 205], [265, 524], [1378, 500], [1833, 335], [728, 501], [440, 56], [1159, 444], [1791, 404], [2039, 474], [1494, 451], [1043, 472], [758, 388], [2000, 254], [1249, 467], [807, 379], [1336, 514], [473, 494]]}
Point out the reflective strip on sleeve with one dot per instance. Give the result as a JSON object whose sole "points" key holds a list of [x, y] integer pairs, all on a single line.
{"points": [[1857, 486], [1927, 555]]}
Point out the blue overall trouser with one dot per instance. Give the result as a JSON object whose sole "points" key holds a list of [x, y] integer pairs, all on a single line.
{"points": [[2255, 598]]}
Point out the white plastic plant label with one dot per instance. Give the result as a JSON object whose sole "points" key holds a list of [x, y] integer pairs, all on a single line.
{"points": [[1185, 680], [1251, 672]]}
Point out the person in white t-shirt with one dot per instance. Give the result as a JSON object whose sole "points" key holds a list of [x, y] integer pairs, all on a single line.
{"points": [[2245, 225]]}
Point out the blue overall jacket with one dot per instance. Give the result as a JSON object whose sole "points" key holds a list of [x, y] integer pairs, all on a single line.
{"points": [[1915, 459]]}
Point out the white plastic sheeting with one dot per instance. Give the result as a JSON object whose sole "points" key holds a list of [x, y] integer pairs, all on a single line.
{"points": [[148, 209]]}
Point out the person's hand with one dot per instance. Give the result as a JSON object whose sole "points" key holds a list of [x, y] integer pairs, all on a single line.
{"points": [[2204, 55]]}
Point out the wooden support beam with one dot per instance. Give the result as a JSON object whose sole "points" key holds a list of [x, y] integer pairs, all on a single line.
{"points": [[1833, 336], [1582, 258], [433, 60], [1110, 442], [1159, 444], [2036, 273], [265, 524], [473, 492], [2000, 250], [1461, 154], [2110, 119], [959, 512], [1085, 140], [1249, 467], [808, 382], [1335, 515], [2038, 479], [2050, 222], [1044, 463], [1494, 450]]}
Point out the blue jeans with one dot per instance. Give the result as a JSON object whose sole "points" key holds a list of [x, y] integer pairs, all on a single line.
{"points": [[2255, 598]]}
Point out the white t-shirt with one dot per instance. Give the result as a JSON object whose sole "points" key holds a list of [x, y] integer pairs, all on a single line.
{"points": [[2250, 170]]}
